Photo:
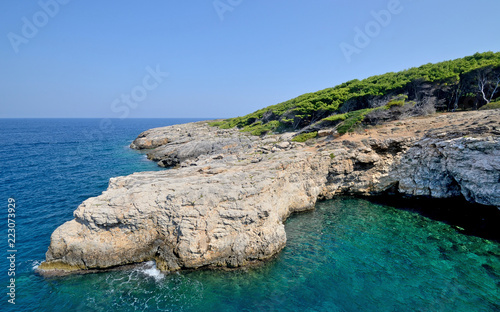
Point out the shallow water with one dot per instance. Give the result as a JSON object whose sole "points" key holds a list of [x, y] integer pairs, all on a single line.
{"points": [[347, 255]]}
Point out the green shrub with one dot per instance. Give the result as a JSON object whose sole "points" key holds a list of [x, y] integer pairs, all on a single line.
{"points": [[216, 123], [308, 108], [492, 105], [336, 117], [258, 128], [397, 101], [305, 136], [353, 119]]}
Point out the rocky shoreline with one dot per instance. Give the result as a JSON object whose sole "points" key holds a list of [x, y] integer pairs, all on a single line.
{"points": [[225, 201]]}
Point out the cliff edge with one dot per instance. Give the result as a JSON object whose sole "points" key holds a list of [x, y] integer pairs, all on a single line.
{"points": [[225, 199]]}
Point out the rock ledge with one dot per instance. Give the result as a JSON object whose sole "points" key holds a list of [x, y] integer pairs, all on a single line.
{"points": [[225, 202]]}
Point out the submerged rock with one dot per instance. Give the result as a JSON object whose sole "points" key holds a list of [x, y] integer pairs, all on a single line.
{"points": [[226, 204]]}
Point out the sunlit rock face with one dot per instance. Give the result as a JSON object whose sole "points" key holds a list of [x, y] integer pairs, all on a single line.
{"points": [[225, 201]]}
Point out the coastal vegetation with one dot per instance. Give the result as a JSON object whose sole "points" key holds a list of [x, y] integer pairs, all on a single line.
{"points": [[492, 105], [305, 136], [467, 83]]}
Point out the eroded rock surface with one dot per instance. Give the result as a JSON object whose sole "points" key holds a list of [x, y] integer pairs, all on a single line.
{"points": [[225, 202]]}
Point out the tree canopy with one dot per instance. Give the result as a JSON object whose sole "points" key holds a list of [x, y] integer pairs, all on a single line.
{"points": [[456, 78]]}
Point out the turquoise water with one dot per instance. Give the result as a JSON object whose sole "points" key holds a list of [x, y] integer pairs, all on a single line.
{"points": [[347, 255]]}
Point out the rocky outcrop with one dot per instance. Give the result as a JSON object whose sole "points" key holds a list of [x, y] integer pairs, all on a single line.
{"points": [[215, 215], [225, 202], [465, 166]]}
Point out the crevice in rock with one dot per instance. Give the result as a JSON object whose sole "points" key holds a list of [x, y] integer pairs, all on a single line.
{"points": [[360, 166], [454, 186], [390, 148]]}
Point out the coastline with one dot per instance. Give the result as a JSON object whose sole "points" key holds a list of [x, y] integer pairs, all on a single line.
{"points": [[225, 202]]}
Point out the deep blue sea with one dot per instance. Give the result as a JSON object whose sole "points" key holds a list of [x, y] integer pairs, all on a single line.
{"points": [[347, 255]]}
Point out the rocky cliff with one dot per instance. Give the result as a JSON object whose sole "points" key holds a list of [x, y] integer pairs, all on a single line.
{"points": [[224, 202]]}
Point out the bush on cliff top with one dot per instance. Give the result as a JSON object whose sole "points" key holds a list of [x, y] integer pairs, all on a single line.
{"points": [[331, 104], [305, 136], [492, 105], [353, 119]]}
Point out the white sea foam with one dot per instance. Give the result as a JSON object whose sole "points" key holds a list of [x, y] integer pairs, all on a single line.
{"points": [[35, 264], [149, 268]]}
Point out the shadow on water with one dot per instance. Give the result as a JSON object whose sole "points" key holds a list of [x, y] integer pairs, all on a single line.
{"points": [[467, 218]]}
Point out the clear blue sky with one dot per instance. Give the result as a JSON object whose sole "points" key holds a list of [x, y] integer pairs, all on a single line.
{"points": [[80, 61]]}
